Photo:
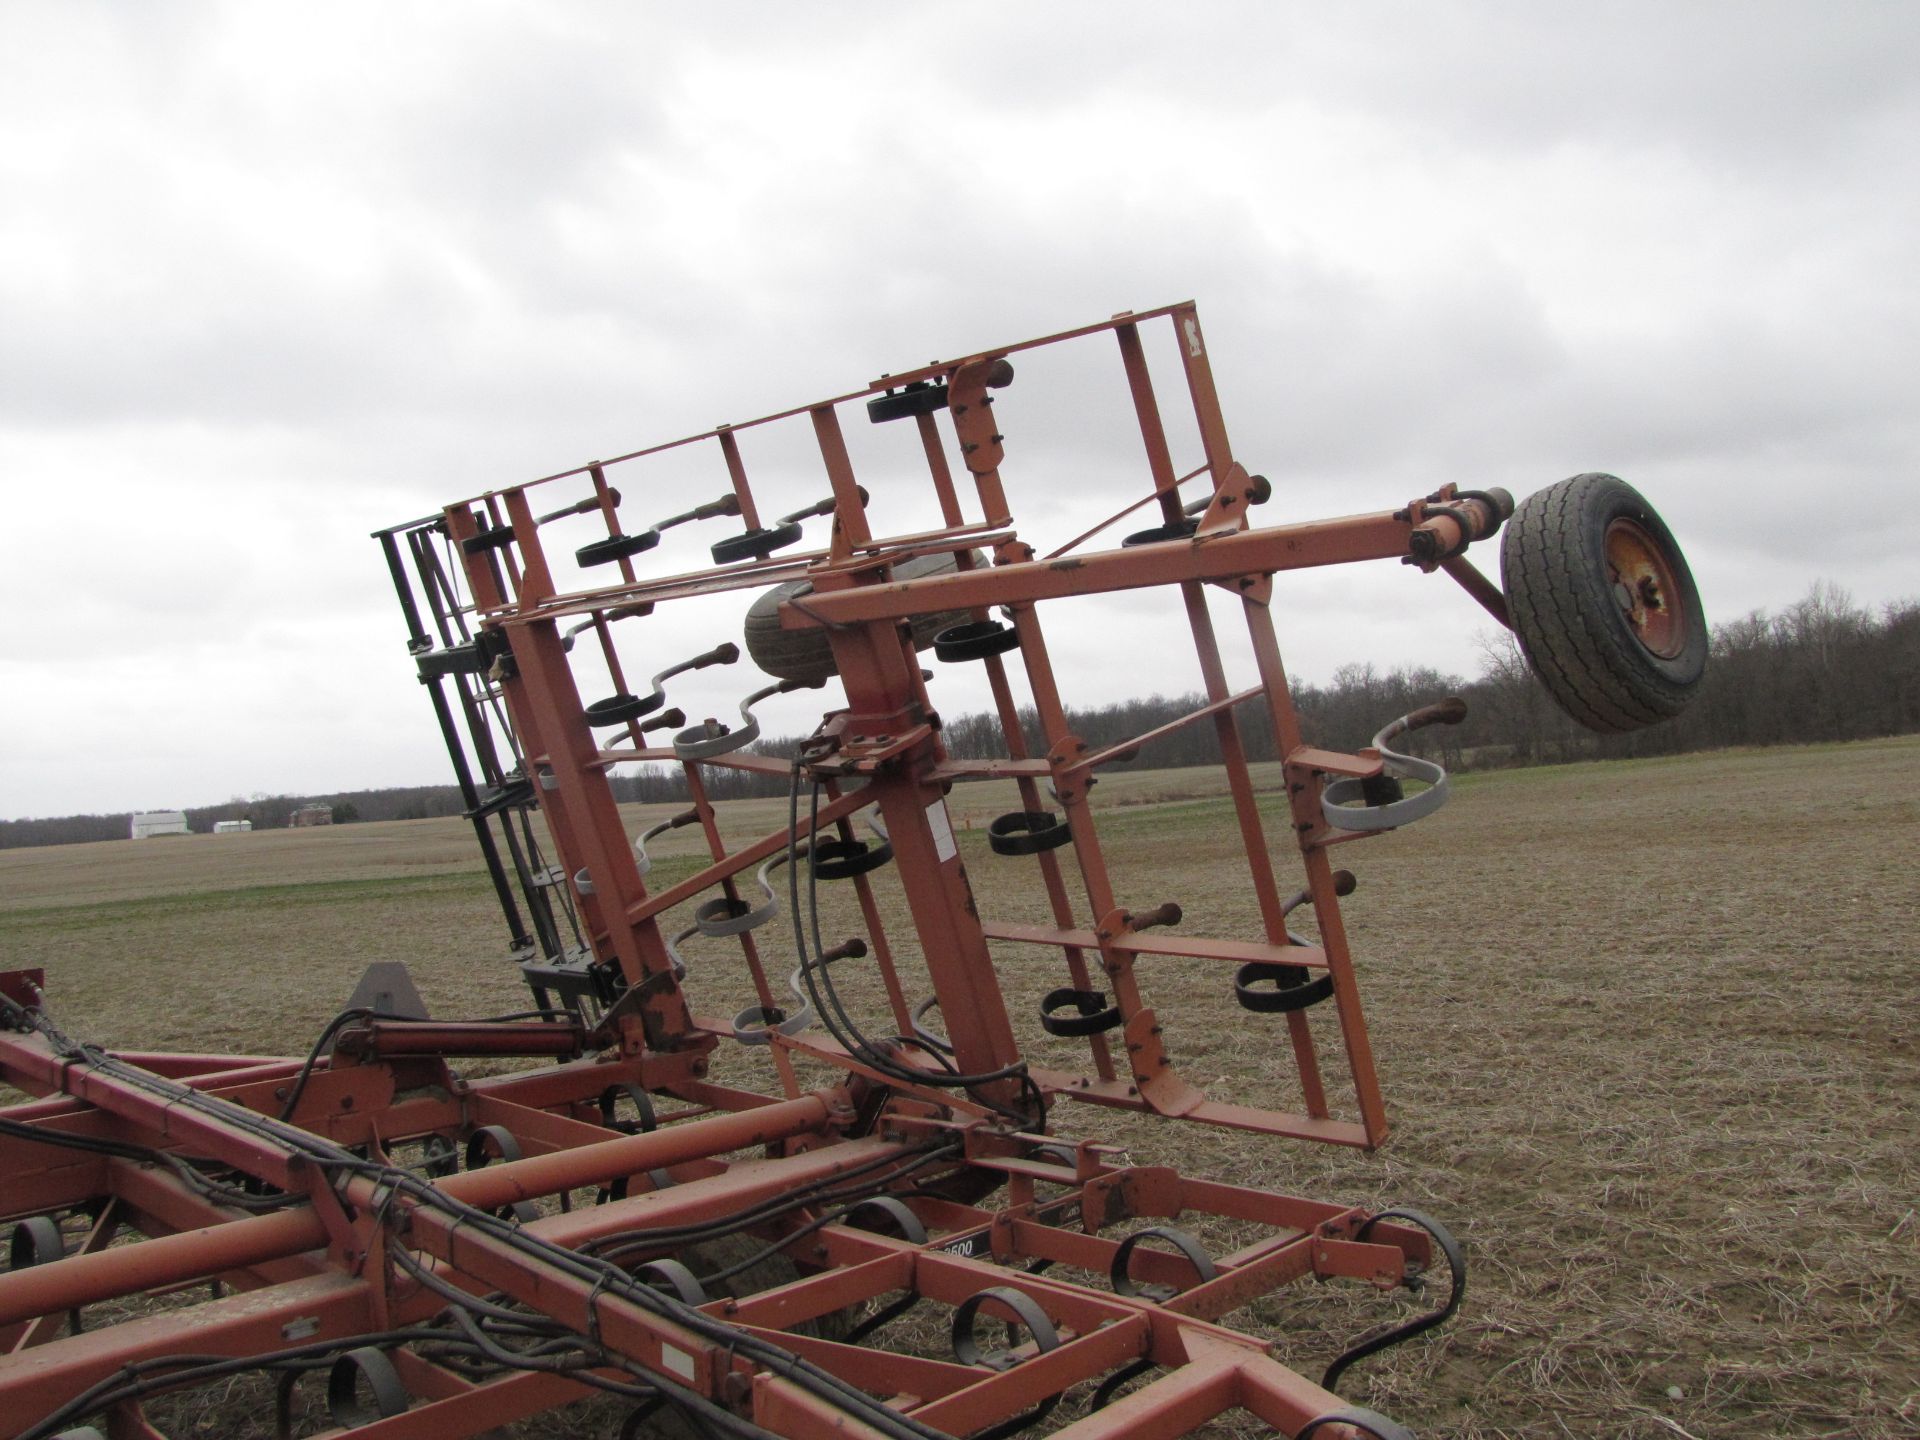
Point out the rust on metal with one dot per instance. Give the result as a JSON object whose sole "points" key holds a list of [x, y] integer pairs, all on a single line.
{"points": [[481, 1249]]}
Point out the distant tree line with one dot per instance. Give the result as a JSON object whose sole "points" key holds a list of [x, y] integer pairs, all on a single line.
{"points": [[1822, 669], [265, 812]]}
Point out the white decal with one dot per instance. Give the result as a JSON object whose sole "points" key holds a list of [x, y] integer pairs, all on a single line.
{"points": [[1193, 337], [678, 1361], [942, 829]]}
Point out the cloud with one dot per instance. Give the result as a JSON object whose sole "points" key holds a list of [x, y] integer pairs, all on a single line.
{"points": [[272, 279]]}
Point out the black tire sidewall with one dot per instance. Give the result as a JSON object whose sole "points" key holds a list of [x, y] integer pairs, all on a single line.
{"points": [[1562, 606], [803, 655], [806, 654], [1607, 499]]}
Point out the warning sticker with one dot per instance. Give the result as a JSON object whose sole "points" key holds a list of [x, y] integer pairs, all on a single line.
{"points": [[942, 829]]}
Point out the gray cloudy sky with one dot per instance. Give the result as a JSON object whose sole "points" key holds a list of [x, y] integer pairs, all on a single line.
{"points": [[273, 276]]}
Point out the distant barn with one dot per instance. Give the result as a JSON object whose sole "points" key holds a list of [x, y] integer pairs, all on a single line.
{"points": [[232, 827], [312, 815], [159, 822]]}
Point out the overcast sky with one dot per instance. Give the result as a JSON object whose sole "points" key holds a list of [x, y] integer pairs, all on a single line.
{"points": [[274, 276]]}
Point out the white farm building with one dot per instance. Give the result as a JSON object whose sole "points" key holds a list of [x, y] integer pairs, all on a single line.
{"points": [[159, 822]]}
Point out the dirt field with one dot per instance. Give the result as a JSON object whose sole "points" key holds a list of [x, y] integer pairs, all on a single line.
{"points": [[1645, 1032]]}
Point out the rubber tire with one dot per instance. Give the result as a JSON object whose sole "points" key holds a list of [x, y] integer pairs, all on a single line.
{"points": [[806, 655], [1553, 565]]}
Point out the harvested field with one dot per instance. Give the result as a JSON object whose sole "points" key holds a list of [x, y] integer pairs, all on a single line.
{"points": [[1645, 1032]]}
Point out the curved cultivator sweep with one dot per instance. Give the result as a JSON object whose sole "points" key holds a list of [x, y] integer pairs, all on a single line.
{"points": [[408, 1252]]}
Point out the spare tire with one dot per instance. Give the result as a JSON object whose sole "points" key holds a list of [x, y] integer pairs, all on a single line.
{"points": [[805, 655], [1603, 603]]}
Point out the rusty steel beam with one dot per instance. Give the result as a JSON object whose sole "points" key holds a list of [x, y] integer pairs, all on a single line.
{"points": [[1228, 558], [394, 1039], [342, 1261], [243, 1243], [157, 1264], [321, 1307]]}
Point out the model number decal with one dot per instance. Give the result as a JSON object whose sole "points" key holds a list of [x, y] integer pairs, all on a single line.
{"points": [[980, 1242]]}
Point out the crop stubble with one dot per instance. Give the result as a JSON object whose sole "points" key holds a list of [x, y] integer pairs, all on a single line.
{"points": [[1644, 1031]]}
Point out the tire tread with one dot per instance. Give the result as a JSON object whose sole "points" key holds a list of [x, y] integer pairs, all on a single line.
{"points": [[1558, 603]]}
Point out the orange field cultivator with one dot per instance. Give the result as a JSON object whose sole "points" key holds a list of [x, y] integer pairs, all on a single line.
{"points": [[741, 1144]]}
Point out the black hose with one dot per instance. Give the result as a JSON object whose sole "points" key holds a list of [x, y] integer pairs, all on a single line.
{"points": [[605, 1276], [140, 1378], [125, 1150], [347, 1017], [624, 1242], [832, 1009]]}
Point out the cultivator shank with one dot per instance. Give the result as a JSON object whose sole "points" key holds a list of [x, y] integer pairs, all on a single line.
{"points": [[407, 1251]]}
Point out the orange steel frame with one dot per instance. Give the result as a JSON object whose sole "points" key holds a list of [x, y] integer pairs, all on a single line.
{"points": [[341, 1256]]}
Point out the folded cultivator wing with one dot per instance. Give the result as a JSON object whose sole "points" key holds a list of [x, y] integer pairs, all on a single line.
{"points": [[751, 1154]]}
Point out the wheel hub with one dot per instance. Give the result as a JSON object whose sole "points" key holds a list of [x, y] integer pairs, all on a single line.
{"points": [[1644, 589]]}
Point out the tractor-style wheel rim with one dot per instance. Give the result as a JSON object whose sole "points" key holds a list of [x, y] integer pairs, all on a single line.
{"points": [[1644, 588]]}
